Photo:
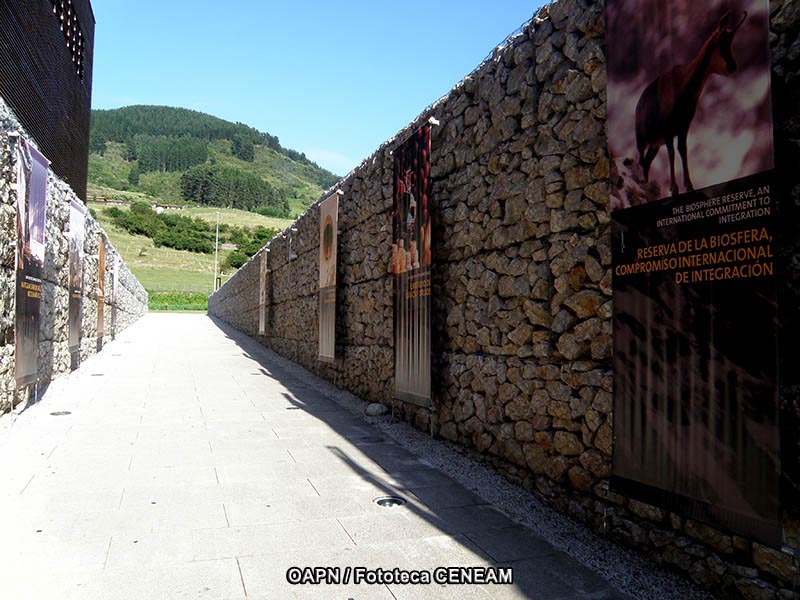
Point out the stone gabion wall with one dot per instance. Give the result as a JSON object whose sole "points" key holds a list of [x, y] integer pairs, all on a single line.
{"points": [[522, 373], [131, 298], [8, 236]]}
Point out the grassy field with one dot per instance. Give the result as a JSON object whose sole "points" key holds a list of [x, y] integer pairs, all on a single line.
{"points": [[168, 270], [173, 301], [95, 189], [233, 216]]}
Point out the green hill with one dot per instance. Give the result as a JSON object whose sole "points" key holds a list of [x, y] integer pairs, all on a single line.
{"points": [[180, 156], [208, 166]]}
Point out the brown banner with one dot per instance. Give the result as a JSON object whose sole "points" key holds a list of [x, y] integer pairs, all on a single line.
{"points": [[31, 214], [101, 290], [328, 226], [262, 293], [114, 292], [695, 309], [411, 265], [77, 224]]}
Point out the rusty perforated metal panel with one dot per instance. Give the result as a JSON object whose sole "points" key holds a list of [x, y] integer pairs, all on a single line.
{"points": [[42, 82]]}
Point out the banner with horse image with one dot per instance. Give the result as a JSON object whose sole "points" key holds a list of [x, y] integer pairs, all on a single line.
{"points": [[328, 225], [411, 266], [77, 225], [31, 220], [693, 227]]}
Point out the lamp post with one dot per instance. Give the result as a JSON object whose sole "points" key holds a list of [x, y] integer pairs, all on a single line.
{"points": [[216, 255]]}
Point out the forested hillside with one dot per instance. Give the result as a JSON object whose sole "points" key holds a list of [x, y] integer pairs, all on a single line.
{"points": [[176, 155]]}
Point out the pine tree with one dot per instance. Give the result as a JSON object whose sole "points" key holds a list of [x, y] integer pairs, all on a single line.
{"points": [[133, 175]]}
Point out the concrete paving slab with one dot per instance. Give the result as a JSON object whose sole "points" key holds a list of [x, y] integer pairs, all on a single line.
{"points": [[429, 554], [202, 579], [68, 498], [449, 495], [322, 432], [268, 539], [256, 470], [422, 476], [262, 451], [243, 514], [151, 519], [363, 487], [43, 584], [508, 544], [558, 578], [150, 550], [33, 553], [266, 575], [396, 524], [464, 519], [193, 494], [145, 475]]}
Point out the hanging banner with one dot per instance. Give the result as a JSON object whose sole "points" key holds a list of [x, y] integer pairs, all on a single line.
{"points": [[328, 229], [411, 265], [31, 214], [101, 290], [114, 298], [262, 293], [695, 310], [77, 223]]}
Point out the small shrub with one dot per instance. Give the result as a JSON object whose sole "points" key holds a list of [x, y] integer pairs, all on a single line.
{"points": [[236, 259]]}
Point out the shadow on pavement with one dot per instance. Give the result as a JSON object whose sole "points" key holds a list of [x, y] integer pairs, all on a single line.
{"points": [[435, 504]]}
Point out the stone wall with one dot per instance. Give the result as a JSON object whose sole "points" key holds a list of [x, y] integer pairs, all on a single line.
{"points": [[130, 302], [7, 268], [521, 290]]}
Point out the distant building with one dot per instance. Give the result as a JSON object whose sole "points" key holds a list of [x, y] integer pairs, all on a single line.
{"points": [[46, 78]]}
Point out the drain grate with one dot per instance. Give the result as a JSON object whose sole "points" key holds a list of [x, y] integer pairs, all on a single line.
{"points": [[292, 408], [60, 413], [98, 374], [389, 501]]}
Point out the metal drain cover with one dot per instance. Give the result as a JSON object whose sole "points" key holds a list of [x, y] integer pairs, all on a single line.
{"points": [[371, 439], [292, 408], [60, 413], [389, 501]]}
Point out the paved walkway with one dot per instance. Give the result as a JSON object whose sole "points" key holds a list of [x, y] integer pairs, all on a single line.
{"points": [[192, 465]]}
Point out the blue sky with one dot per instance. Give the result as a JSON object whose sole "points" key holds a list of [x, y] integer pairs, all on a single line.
{"points": [[331, 79]]}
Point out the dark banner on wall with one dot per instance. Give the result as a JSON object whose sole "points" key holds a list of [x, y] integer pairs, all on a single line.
{"points": [[114, 292], [328, 224], [101, 290], [77, 222], [262, 293], [411, 265], [31, 213], [695, 310]]}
